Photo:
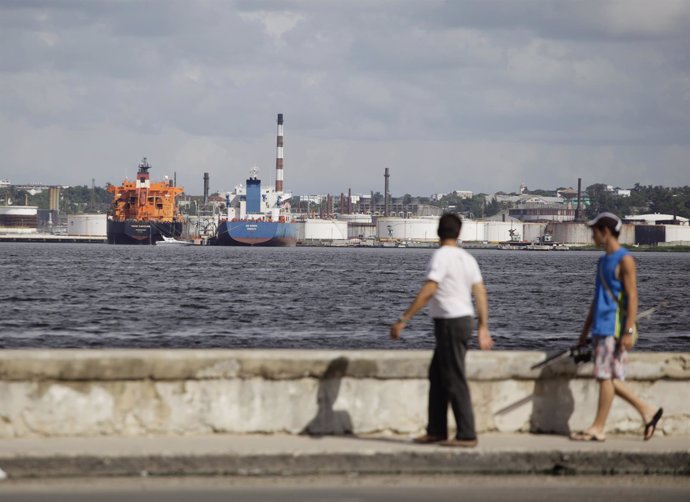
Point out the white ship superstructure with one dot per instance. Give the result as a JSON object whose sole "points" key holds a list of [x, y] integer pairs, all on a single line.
{"points": [[252, 202]]}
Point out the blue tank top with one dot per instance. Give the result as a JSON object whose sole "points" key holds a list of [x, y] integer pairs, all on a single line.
{"points": [[609, 317]]}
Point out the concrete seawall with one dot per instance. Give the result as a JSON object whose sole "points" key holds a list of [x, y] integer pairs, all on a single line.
{"points": [[188, 392]]}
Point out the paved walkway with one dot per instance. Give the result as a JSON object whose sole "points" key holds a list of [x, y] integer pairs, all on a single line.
{"points": [[271, 455]]}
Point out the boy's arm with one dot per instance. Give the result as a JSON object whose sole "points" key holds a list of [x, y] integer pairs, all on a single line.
{"points": [[587, 326], [629, 278]]}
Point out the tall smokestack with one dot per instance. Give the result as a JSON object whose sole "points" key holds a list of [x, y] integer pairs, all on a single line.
{"points": [[579, 192], [205, 189], [349, 201], [279, 155], [386, 192]]}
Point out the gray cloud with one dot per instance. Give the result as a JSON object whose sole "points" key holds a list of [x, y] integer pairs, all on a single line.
{"points": [[463, 94]]}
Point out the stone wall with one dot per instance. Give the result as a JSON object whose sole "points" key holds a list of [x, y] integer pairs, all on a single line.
{"points": [[138, 392]]}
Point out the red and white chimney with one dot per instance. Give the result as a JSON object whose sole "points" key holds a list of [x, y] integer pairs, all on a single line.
{"points": [[279, 155]]}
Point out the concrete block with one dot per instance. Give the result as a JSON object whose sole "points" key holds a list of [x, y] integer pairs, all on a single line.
{"points": [[60, 393]]}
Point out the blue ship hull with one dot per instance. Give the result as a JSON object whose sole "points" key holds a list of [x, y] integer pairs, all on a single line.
{"points": [[256, 233]]}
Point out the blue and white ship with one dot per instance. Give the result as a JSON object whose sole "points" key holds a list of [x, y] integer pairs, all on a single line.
{"points": [[259, 216], [256, 216]]}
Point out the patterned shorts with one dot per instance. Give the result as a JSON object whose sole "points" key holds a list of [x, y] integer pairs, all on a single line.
{"points": [[609, 358]]}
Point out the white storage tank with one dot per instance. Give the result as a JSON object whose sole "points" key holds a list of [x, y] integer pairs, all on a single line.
{"points": [[627, 235], [532, 232], [321, 230], [361, 230], [408, 229], [472, 231], [18, 219], [677, 233], [571, 233], [499, 231], [91, 225], [355, 218]]}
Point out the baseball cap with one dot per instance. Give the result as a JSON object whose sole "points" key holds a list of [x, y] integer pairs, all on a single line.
{"points": [[609, 220]]}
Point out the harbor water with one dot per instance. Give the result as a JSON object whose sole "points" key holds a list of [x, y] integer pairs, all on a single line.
{"points": [[101, 296]]}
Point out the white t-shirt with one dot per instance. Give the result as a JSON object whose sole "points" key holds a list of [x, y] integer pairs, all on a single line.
{"points": [[455, 271]]}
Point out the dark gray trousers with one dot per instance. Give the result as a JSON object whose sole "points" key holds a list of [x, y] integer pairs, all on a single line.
{"points": [[448, 379]]}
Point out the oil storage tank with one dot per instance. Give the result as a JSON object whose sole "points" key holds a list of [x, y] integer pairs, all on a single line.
{"points": [[532, 232], [472, 231], [677, 233], [359, 226], [408, 229], [18, 219], [312, 229], [571, 233], [92, 225], [499, 231]]}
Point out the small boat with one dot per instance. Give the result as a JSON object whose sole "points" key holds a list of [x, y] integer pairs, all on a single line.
{"points": [[171, 241]]}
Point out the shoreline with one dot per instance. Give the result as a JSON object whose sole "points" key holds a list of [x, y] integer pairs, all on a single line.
{"points": [[81, 239]]}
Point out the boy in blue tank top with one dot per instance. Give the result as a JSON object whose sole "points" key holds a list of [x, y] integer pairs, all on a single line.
{"points": [[611, 321]]}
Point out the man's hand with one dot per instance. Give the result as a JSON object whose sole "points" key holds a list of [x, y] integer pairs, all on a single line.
{"points": [[485, 340], [427, 290], [627, 341], [396, 329]]}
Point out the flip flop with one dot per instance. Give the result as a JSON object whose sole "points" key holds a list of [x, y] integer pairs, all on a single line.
{"points": [[586, 436], [650, 427]]}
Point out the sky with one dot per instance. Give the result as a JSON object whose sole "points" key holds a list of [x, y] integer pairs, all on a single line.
{"points": [[474, 95]]}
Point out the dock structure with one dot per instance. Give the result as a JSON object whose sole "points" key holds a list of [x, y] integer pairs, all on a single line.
{"points": [[32, 237]]}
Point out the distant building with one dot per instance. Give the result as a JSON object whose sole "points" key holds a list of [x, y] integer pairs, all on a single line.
{"points": [[538, 208], [464, 194], [567, 193], [312, 199], [655, 219], [525, 199], [5, 183], [543, 213], [412, 209], [32, 189]]}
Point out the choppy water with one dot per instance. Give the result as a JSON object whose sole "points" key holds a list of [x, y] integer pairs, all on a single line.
{"points": [[97, 296]]}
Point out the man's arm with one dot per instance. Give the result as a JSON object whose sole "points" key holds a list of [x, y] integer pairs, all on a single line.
{"points": [[482, 303], [629, 277], [427, 290]]}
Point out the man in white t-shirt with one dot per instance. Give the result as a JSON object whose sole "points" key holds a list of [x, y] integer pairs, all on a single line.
{"points": [[452, 279]]}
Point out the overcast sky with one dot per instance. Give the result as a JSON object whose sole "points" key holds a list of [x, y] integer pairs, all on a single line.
{"points": [[474, 95]]}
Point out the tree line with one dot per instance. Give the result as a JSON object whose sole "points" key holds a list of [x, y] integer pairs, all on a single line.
{"points": [[596, 198], [76, 199]]}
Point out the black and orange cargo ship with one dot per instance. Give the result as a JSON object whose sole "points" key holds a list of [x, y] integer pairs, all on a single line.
{"points": [[143, 212]]}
